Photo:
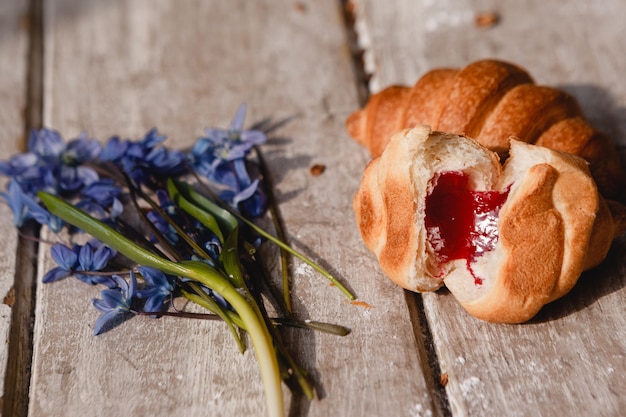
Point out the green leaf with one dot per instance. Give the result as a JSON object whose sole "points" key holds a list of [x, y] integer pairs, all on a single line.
{"points": [[196, 201], [204, 217]]}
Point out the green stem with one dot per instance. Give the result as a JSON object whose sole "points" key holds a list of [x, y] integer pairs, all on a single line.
{"points": [[256, 328], [201, 201], [212, 306], [278, 225], [255, 325]]}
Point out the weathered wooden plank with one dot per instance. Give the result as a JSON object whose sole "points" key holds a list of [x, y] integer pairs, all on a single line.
{"points": [[14, 30], [571, 359], [124, 67]]}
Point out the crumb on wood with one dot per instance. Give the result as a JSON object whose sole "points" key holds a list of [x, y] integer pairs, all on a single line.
{"points": [[361, 304], [24, 22], [443, 379], [300, 7], [487, 19], [9, 299], [317, 169], [350, 9]]}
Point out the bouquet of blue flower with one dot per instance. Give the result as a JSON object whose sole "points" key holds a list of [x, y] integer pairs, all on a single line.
{"points": [[162, 224]]}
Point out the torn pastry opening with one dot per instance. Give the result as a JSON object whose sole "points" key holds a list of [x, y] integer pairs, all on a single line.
{"points": [[461, 223]]}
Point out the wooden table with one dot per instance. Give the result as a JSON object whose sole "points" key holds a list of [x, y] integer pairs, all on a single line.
{"points": [[123, 67]]}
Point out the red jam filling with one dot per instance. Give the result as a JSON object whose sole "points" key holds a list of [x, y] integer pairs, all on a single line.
{"points": [[461, 223]]}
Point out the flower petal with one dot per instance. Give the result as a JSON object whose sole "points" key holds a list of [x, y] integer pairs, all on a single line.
{"points": [[237, 122], [63, 256], [56, 274]]}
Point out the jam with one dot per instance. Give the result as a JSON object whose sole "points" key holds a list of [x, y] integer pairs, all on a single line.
{"points": [[461, 223]]}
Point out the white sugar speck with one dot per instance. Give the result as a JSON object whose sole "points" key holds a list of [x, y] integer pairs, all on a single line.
{"points": [[469, 385], [418, 411], [304, 269]]}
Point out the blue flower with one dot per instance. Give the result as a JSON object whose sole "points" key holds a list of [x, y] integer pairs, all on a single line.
{"points": [[80, 151], [115, 149], [25, 207], [94, 257], [221, 146], [91, 257], [50, 148], [27, 170], [143, 159], [116, 303], [66, 259], [62, 165], [158, 290], [47, 144], [241, 192], [102, 197], [161, 224], [20, 165], [220, 156], [50, 165], [213, 246]]}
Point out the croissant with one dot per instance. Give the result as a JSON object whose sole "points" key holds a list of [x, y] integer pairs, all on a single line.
{"points": [[438, 209], [491, 101]]}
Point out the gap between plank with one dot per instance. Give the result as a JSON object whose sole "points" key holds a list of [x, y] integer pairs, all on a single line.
{"points": [[427, 355], [20, 350], [348, 10]]}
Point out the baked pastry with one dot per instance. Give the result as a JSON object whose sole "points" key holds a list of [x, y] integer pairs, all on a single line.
{"points": [[438, 208], [491, 101]]}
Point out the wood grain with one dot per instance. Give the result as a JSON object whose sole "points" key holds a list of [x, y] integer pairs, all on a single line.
{"points": [[16, 305], [571, 359], [121, 67]]}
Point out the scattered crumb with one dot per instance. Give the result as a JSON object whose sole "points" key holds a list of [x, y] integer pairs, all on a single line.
{"points": [[317, 169], [24, 22], [361, 304], [300, 7], [9, 299], [487, 19], [443, 379], [350, 8]]}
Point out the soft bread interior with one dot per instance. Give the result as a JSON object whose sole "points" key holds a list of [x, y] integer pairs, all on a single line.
{"points": [[442, 152], [389, 205]]}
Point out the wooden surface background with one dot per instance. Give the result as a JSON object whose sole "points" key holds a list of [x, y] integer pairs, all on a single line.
{"points": [[123, 67]]}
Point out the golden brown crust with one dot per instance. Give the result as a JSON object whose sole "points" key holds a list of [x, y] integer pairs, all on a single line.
{"points": [[386, 214], [532, 237], [491, 101], [386, 120], [607, 221], [474, 93], [525, 112], [369, 209], [427, 98]]}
